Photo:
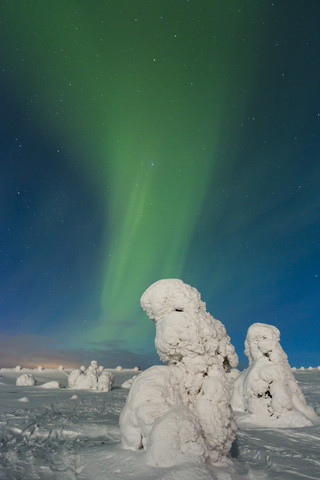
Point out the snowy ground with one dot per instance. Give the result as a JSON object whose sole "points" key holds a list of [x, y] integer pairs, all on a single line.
{"points": [[46, 434]]}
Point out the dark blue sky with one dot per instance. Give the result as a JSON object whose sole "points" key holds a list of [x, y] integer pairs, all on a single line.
{"points": [[142, 140]]}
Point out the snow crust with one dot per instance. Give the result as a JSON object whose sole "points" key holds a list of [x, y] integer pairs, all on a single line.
{"points": [[267, 389], [189, 398], [93, 378], [26, 380]]}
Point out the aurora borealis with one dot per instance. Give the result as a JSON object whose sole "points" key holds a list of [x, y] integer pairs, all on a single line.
{"points": [[150, 139]]}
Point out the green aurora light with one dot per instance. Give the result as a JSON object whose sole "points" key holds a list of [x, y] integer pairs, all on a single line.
{"points": [[143, 91]]}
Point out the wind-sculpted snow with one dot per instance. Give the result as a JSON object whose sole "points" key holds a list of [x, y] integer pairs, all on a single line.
{"points": [[267, 389], [191, 391]]}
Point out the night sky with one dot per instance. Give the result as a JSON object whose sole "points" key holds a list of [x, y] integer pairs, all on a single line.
{"points": [[149, 139]]}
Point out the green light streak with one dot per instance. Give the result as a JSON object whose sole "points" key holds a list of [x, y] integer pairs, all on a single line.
{"points": [[145, 89]]}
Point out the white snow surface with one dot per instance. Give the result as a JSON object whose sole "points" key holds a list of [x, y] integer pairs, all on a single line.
{"points": [[55, 437], [266, 393], [192, 391]]}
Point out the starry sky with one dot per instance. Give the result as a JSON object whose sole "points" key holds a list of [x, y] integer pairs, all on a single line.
{"points": [[148, 139]]}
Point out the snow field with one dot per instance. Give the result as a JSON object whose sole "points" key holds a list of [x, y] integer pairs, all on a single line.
{"points": [[55, 437]]}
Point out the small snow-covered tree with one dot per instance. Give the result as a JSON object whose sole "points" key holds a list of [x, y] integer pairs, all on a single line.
{"points": [[192, 390], [26, 380], [92, 378], [267, 389], [105, 381]]}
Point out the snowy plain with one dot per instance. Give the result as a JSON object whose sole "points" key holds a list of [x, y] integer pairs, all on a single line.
{"points": [[65, 434]]}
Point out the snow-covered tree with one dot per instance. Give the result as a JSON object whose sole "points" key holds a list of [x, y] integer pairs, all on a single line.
{"points": [[92, 378], [105, 381], [189, 398], [267, 389], [26, 380]]}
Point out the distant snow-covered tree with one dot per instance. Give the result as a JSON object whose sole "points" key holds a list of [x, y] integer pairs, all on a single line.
{"points": [[267, 389]]}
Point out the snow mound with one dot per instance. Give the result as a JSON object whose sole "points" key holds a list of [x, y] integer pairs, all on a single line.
{"points": [[23, 399], [190, 397], [26, 380], [176, 438], [128, 383], [52, 384], [267, 389]]}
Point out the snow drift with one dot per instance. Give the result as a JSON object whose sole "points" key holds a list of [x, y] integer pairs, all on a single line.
{"points": [[181, 411], [52, 384], [267, 389]]}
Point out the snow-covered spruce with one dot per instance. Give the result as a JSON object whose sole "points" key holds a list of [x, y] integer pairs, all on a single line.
{"points": [[181, 411], [26, 380], [267, 389], [105, 381], [92, 378]]}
